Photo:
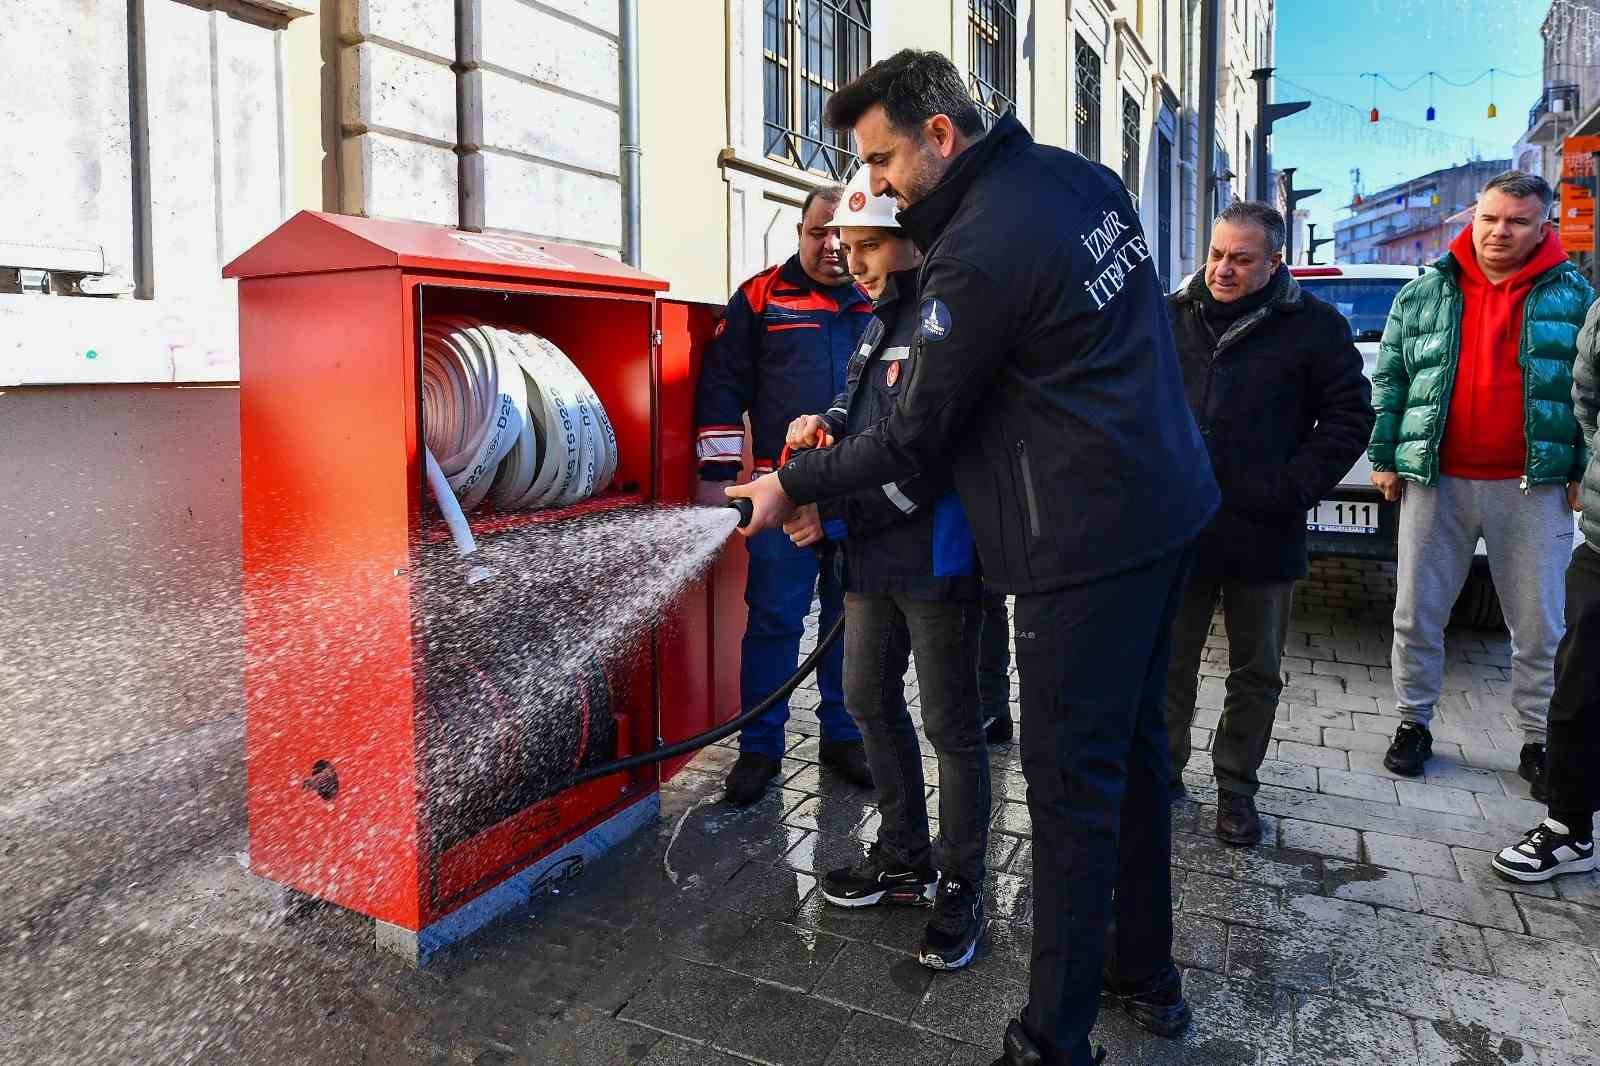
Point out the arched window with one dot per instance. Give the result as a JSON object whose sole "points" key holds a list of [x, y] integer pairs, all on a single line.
{"points": [[1088, 101], [992, 56], [1130, 145], [809, 49]]}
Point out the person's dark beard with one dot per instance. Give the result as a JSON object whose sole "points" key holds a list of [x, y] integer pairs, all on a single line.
{"points": [[925, 174]]}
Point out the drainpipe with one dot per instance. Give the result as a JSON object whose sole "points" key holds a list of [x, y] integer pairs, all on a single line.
{"points": [[1206, 165], [632, 238]]}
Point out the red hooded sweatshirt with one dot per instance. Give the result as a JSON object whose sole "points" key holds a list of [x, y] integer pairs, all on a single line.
{"points": [[1485, 435]]}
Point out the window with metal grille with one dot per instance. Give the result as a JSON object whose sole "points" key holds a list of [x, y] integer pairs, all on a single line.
{"points": [[992, 56], [809, 48], [1088, 102], [1130, 146]]}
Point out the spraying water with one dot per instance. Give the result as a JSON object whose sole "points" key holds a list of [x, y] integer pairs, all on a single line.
{"points": [[117, 770]]}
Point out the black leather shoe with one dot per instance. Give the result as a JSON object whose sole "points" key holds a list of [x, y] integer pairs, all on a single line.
{"points": [[1156, 1006], [997, 727], [849, 757], [747, 781], [1237, 820], [1019, 1048], [1532, 767]]}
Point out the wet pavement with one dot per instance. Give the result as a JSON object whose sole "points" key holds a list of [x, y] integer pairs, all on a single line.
{"points": [[1366, 929]]}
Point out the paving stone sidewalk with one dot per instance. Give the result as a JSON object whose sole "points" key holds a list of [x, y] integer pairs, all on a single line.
{"points": [[1366, 929]]}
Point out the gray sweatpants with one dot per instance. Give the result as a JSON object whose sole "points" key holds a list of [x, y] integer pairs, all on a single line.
{"points": [[1529, 541]]}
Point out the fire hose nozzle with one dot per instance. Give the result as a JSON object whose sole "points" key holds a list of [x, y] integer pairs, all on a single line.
{"points": [[746, 509]]}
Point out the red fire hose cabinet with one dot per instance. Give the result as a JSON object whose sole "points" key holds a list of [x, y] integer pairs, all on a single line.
{"points": [[358, 793]]}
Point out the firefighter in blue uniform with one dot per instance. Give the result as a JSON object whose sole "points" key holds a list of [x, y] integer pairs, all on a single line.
{"points": [[781, 351], [912, 591]]}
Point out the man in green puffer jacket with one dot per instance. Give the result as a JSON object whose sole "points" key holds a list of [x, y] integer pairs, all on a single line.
{"points": [[1473, 392]]}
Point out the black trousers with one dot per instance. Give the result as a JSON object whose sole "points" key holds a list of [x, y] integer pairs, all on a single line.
{"points": [[994, 659], [1575, 708], [881, 634], [1256, 617], [1092, 660]]}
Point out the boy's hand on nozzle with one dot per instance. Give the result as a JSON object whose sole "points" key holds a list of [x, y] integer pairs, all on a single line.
{"points": [[808, 431], [805, 528]]}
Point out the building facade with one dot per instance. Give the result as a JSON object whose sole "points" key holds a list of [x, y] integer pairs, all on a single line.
{"points": [[1570, 86], [190, 128], [1409, 222], [1117, 81]]}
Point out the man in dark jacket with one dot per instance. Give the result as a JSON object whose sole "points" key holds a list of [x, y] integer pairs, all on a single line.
{"points": [[781, 350], [1047, 383], [1277, 386], [911, 590]]}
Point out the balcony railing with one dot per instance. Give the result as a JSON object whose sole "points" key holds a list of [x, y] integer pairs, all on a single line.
{"points": [[1562, 99]]}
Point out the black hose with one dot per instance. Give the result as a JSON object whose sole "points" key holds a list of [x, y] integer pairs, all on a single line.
{"points": [[728, 728]]}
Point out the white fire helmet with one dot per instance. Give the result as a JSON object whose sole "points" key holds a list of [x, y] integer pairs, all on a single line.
{"points": [[860, 208]]}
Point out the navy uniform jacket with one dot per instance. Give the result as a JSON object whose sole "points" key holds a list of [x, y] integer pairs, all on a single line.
{"points": [[1046, 378], [782, 350], [907, 537]]}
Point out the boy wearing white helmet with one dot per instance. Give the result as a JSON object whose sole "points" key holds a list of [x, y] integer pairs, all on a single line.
{"points": [[912, 591]]}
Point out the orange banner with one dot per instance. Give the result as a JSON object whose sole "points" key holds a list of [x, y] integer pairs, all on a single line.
{"points": [[1577, 223], [1577, 157]]}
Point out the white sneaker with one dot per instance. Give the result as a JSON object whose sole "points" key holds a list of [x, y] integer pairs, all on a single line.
{"points": [[1548, 850]]}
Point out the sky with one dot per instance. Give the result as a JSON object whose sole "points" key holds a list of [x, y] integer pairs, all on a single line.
{"points": [[1323, 48]]}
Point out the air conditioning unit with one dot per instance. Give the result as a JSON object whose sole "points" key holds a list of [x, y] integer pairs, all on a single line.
{"points": [[61, 268]]}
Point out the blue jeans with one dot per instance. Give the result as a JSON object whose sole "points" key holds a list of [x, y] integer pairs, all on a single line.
{"points": [[779, 588]]}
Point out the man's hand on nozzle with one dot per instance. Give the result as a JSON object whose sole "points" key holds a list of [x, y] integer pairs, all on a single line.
{"points": [[1388, 483], [771, 505], [808, 431]]}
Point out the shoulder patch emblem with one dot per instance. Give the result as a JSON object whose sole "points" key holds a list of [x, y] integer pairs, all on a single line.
{"points": [[933, 320], [894, 374]]}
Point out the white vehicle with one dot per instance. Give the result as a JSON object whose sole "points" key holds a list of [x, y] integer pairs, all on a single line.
{"points": [[1354, 521]]}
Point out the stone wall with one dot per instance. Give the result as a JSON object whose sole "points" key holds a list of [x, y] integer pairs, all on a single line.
{"points": [[210, 180], [490, 114]]}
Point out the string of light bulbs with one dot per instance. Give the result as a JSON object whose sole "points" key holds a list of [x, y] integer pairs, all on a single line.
{"points": [[1432, 77]]}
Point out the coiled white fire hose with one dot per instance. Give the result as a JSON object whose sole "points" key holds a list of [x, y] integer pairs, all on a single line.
{"points": [[506, 415]]}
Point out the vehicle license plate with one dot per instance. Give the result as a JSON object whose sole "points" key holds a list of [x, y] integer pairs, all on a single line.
{"points": [[1342, 516]]}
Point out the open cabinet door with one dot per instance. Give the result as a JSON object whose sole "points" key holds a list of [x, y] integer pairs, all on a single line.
{"points": [[697, 642]]}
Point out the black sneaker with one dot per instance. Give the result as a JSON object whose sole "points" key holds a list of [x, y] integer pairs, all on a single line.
{"points": [[849, 757], [997, 727], [1409, 752], [1237, 821], [747, 781], [1156, 1006], [1532, 769], [951, 938], [879, 879], [1548, 850]]}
